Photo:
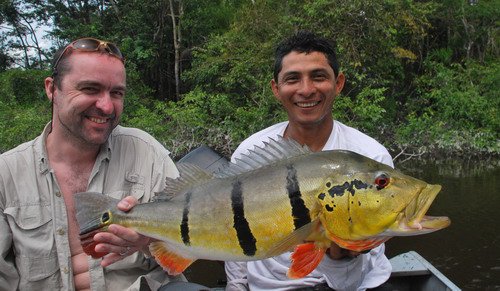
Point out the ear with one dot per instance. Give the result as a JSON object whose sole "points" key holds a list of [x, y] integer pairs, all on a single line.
{"points": [[339, 83], [274, 87], [50, 87]]}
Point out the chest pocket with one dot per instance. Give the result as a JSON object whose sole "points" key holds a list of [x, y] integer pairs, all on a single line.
{"points": [[136, 182], [133, 186], [33, 242]]}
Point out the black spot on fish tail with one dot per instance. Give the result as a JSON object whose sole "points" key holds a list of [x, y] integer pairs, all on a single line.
{"points": [[244, 233], [328, 208], [185, 220], [328, 184], [321, 196], [300, 212]]}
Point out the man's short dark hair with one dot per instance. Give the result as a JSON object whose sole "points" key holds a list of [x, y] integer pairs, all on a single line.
{"points": [[62, 68], [305, 42]]}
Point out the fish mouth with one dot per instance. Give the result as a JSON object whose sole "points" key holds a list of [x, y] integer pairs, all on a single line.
{"points": [[413, 221]]}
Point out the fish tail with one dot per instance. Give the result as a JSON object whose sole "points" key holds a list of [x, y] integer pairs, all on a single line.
{"points": [[93, 214]]}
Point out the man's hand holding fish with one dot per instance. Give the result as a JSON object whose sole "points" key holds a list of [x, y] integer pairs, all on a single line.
{"points": [[119, 242]]}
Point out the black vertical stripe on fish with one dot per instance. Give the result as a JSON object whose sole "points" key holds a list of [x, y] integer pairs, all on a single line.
{"points": [[300, 212], [244, 233], [185, 220]]}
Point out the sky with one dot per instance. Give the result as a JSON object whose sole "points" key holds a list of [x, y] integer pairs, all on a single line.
{"points": [[41, 34]]}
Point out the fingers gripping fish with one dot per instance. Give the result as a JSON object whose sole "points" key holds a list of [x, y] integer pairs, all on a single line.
{"points": [[277, 198]]}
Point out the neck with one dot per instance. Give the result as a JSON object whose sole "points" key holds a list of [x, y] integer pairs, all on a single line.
{"points": [[65, 150], [314, 136]]}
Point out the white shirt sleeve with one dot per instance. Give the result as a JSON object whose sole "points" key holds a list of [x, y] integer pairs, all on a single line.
{"points": [[236, 273], [378, 269]]}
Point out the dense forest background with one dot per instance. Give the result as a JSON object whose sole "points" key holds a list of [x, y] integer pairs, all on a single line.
{"points": [[422, 76]]}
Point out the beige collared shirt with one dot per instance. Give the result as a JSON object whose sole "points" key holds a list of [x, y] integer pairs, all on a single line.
{"points": [[34, 246]]}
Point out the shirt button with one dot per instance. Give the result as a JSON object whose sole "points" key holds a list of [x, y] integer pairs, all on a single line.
{"points": [[65, 270], [58, 194], [61, 231]]}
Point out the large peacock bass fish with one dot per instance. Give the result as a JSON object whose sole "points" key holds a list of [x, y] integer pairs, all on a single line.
{"points": [[277, 198]]}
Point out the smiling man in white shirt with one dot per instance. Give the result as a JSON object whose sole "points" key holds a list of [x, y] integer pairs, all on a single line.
{"points": [[306, 82]]}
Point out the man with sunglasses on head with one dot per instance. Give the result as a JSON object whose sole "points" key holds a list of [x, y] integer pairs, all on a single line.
{"points": [[82, 149]]}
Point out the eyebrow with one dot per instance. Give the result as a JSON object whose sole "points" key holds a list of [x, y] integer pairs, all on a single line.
{"points": [[315, 71], [98, 84], [290, 73]]}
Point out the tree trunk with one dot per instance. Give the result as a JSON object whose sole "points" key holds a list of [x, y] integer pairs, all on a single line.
{"points": [[176, 32]]}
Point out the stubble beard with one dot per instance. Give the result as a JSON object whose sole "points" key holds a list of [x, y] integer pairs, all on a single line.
{"points": [[82, 137]]}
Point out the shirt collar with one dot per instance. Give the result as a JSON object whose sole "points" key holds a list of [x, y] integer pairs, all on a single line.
{"points": [[40, 149]]}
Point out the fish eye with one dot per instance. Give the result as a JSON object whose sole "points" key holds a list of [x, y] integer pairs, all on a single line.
{"points": [[382, 181], [105, 217]]}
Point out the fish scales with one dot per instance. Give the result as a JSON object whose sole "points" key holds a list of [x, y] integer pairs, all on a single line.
{"points": [[259, 211], [268, 207], [267, 213]]}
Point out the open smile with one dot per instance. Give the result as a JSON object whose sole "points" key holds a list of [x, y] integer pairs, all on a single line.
{"points": [[99, 120], [307, 104]]}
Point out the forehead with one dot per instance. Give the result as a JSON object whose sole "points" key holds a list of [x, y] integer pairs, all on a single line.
{"points": [[304, 62], [95, 65]]}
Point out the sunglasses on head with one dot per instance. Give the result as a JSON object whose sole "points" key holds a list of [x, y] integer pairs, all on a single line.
{"points": [[91, 45]]}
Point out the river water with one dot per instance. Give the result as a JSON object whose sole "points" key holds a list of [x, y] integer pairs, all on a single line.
{"points": [[468, 251]]}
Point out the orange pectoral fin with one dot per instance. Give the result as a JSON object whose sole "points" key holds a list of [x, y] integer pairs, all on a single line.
{"points": [[88, 244], [305, 259], [171, 262]]}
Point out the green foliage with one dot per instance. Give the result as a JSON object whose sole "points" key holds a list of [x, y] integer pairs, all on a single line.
{"points": [[231, 73], [22, 86], [420, 75], [365, 111], [23, 107], [215, 120], [206, 17], [457, 111], [20, 123]]}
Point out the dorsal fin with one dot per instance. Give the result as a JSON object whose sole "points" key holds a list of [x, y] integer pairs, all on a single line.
{"points": [[273, 151], [189, 176]]}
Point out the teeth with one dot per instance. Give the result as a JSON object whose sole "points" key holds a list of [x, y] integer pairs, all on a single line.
{"points": [[307, 104], [98, 120]]}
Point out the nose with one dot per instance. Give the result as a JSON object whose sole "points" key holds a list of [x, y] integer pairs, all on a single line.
{"points": [[105, 103], [307, 87]]}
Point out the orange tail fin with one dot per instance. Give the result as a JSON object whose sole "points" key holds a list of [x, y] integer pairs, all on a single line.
{"points": [[305, 259], [171, 262]]}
